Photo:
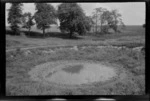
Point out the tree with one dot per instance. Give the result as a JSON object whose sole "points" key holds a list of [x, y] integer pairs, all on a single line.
{"points": [[89, 23], [112, 19], [14, 17], [27, 20], [106, 20], [97, 14], [72, 18], [44, 16], [85, 25], [116, 20]]}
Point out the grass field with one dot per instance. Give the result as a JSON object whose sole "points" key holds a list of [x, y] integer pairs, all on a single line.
{"points": [[129, 62], [131, 35]]}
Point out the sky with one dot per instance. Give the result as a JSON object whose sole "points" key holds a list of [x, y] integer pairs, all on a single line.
{"points": [[133, 13]]}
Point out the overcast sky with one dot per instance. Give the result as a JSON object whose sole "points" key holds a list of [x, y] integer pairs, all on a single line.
{"points": [[132, 13]]}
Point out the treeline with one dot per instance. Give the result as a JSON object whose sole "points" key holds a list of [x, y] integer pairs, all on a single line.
{"points": [[107, 19], [71, 16]]}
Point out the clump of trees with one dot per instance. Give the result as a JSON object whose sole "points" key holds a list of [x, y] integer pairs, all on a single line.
{"points": [[72, 19], [71, 16], [106, 20], [14, 17]]}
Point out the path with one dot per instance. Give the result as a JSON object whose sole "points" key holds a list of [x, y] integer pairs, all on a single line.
{"points": [[34, 47]]}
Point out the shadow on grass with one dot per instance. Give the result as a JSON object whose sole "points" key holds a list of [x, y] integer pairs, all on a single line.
{"points": [[62, 35], [9, 32], [40, 35]]}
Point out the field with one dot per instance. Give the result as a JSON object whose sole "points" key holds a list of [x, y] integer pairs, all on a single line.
{"points": [[132, 34], [26, 56]]}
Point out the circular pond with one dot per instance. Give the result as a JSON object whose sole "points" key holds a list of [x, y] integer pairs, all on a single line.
{"points": [[72, 72]]}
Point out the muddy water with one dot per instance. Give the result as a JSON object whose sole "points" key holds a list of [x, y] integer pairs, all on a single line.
{"points": [[88, 74], [73, 68]]}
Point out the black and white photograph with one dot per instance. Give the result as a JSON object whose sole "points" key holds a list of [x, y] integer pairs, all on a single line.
{"points": [[78, 48]]}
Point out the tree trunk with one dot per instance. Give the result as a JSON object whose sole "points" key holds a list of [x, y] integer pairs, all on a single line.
{"points": [[29, 31], [71, 32], [101, 27]]}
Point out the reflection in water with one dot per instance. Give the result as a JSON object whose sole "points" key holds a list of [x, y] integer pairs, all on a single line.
{"points": [[73, 68]]}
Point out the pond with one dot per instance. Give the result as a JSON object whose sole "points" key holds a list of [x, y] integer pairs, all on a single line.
{"points": [[74, 73]]}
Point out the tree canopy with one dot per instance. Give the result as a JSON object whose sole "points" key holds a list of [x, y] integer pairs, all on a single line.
{"points": [[14, 17], [115, 20], [45, 16], [27, 21], [72, 18]]}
